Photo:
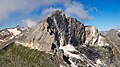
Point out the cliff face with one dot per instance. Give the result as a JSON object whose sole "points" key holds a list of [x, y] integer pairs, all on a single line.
{"points": [[71, 43]]}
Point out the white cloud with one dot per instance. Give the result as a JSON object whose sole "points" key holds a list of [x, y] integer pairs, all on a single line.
{"points": [[29, 22], [76, 8], [47, 11], [22, 6], [25, 7], [71, 8]]}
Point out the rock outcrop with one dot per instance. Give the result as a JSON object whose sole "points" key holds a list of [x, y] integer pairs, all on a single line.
{"points": [[71, 43]]}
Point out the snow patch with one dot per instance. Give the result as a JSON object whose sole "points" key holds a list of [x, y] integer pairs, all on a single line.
{"points": [[67, 50], [14, 31], [98, 61]]}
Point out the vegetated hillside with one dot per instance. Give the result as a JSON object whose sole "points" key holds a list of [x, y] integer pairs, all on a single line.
{"points": [[19, 56]]}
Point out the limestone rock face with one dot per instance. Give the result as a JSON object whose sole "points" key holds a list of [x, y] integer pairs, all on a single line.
{"points": [[72, 43]]}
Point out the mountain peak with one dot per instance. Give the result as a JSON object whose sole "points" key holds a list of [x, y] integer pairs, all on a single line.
{"points": [[71, 42], [55, 13]]}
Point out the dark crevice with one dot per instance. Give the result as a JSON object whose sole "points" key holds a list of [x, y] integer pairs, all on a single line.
{"points": [[53, 46], [118, 35], [51, 58], [66, 59]]}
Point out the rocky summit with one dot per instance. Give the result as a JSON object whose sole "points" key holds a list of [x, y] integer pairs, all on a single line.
{"points": [[70, 42]]}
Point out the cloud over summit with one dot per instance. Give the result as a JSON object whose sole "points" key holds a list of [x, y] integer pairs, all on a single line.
{"points": [[76, 8], [71, 8], [29, 22]]}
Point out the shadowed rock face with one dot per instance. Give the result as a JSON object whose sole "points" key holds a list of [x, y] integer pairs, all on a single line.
{"points": [[70, 42], [66, 30], [119, 35]]}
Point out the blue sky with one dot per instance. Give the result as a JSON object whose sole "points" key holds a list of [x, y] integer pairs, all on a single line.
{"points": [[104, 14]]}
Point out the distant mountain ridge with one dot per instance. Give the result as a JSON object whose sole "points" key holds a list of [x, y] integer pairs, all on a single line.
{"points": [[9, 33], [114, 36]]}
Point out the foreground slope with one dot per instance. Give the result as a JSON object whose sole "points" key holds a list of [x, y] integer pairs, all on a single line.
{"points": [[19, 56]]}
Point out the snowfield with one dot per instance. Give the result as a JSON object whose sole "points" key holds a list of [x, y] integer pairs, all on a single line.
{"points": [[14, 31]]}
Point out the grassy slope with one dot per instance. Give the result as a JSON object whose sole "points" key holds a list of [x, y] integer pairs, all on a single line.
{"points": [[19, 56]]}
